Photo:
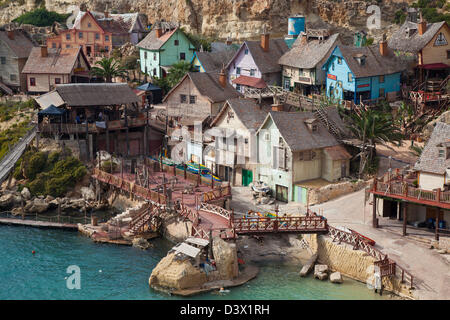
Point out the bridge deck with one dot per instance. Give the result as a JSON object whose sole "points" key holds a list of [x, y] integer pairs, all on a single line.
{"points": [[38, 224]]}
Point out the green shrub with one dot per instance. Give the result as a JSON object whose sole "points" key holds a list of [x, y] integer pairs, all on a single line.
{"points": [[107, 165], [35, 165], [41, 17]]}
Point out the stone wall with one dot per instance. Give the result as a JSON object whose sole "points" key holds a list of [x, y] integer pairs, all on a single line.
{"points": [[355, 264], [332, 191]]}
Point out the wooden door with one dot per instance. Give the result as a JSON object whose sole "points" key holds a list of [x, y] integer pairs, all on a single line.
{"points": [[247, 177], [281, 193]]}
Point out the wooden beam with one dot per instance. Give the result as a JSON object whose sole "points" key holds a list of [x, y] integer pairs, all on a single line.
{"points": [[374, 212], [405, 217]]}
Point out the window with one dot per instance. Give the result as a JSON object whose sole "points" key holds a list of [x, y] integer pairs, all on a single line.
{"points": [[106, 48], [448, 54], [154, 71], [252, 72], [183, 98], [381, 92], [175, 42], [32, 82], [67, 36], [238, 70], [145, 54], [80, 35], [339, 84], [246, 140], [53, 45], [97, 36], [381, 79], [246, 51], [106, 38], [267, 136], [3, 60], [57, 80], [332, 66], [154, 56], [89, 25], [182, 56], [287, 84], [313, 155], [441, 153], [238, 87], [339, 59], [192, 99], [13, 77], [67, 45], [350, 77]]}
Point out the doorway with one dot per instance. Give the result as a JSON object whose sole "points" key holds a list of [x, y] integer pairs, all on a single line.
{"points": [[281, 193], [88, 51], [247, 177]]}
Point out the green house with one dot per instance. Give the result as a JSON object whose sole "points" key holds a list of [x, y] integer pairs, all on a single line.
{"points": [[165, 45]]}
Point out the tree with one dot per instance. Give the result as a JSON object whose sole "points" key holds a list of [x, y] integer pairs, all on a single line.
{"points": [[372, 127], [41, 17], [131, 63], [177, 72], [108, 68]]}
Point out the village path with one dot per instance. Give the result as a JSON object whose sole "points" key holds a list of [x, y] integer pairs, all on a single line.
{"points": [[430, 269]]}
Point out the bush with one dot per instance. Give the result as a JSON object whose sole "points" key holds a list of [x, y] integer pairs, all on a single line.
{"points": [[35, 165], [41, 17], [107, 165]]}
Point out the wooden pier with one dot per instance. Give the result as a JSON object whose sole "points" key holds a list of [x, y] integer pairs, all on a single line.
{"points": [[38, 224]]}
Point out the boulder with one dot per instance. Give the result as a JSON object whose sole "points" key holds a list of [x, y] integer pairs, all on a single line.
{"points": [[26, 194], [225, 255], [308, 266], [6, 201], [141, 243], [38, 206], [49, 198], [321, 271], [336, 277], [87, 193], [321, 275]]}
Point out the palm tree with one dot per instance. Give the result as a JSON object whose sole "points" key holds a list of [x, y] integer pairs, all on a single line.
{"points": [[177, 72], [372, 127], [108, 68]]}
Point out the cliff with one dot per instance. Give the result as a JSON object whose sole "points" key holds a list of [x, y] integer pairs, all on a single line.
{"points": [[242, 19]]}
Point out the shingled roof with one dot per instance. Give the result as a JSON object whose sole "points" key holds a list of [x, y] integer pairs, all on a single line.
{"points": [[152, 42], [247, 111], [375, 64], [58, 61], [414, 42], [298, 137], [214, 61], [267, 62], [21, 45], [429, 160], [309, 54], [208, 85], [96, 94], [128, 20], [115, 26]]}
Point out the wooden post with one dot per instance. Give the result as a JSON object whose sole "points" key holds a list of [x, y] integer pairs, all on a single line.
{"points": [[405, 217], [59, 211], [436, 235], [374, 212], [212, 182], [121, 168], [199, 179], [185, 173]]}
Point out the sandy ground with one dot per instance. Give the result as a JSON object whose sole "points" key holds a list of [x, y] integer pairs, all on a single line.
{"points": [[430, 269]]}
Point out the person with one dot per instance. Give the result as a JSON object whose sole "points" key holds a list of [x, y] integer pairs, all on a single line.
{"points": [[77, 119], [100, 116]]}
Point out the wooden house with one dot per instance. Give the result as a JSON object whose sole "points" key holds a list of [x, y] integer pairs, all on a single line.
{"points": [[165, 45], [46, 68], [15, 47], [295, 149], [212, 61]]}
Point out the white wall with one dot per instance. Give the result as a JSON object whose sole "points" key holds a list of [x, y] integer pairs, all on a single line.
{"points": [[430, 181]]}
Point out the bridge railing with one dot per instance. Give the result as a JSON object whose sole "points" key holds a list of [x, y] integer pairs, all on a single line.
{"points": [[211, 208], [300, 223]]}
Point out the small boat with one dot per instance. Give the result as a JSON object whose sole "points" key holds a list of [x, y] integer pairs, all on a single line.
{"points": [[195, 168], [259, 186]]}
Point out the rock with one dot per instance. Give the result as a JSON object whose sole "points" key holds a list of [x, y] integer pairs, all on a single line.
{"points": [[77, 203], [49, 198], [26, 194], [265, 200], [336, 277], [321, 271], [141, 243], [225, 255], [6, 201], [442, 251], [87, 193], [38, 206], [321, 275], [176, 274], [308, 266]]}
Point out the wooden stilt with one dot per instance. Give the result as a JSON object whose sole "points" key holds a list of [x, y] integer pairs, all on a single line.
{"points": [[436, 234], [405, 217]]}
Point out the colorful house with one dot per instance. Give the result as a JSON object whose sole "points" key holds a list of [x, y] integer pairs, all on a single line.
{"points": [[46, 68], [212, 61], [302, 65], [295, 148], [365, 73], [15, 47], [255, 64], [165, 45]]}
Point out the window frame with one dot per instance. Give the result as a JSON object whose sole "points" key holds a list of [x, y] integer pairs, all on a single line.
{"points": [[381, 78], [32, 82], [68, 36], [13, 77], [183, 56], [350, 77], [183, 98], [2, 60], [57, 80], [106, 38], [176, 42], [192, 99], [80, 35], [238, 70]]}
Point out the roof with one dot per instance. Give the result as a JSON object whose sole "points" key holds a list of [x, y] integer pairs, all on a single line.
{"points": [[151, 42], [429, 160], [52, 110], [415, 42], [250, 82], [197, 241], [60, 61], [208, 85], [337, 153], [221, 46], [48, 99], [375, 64], [148, 87], [307, 56], [128, 20], [187, 249], [267, 62], [214, 61], [21, 45], [298, 137], [96, 94], [247, 111], [115, 26]]}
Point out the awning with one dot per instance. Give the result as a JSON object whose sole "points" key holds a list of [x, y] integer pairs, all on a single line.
{"points": [[250, 82], [433, 66], [187, 249], [52, 111], [48, 99], [148, 87]]}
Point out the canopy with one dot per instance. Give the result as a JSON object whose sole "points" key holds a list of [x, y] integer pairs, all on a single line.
{"points": [[52, 111], [148, 87]]}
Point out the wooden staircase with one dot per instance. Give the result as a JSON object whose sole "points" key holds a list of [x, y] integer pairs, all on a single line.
{"points": [[331, 126], [142, 218]]}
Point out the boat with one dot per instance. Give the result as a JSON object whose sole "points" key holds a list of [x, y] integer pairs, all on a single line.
{"points": [[259, 186]]}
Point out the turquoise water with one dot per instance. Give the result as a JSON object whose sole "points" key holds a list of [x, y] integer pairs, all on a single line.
{"points": [[121, 272]]}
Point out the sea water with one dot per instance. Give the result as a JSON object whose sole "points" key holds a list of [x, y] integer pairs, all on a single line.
{"points": [[121, 272]]}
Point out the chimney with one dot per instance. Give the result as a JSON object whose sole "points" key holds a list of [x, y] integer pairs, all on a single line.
{"points": [[383, 46], [265, 40], [304, 38], [158, 30], [10, 34], [277, 107], [44, 51], [223, 78], [422, 25]]}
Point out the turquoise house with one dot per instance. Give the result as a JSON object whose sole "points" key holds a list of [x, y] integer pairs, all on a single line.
{"points": [[162, 47], [363, 73]]}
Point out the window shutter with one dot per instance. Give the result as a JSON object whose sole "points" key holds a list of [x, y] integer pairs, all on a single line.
{"points": [[275, 158], [282, 158]]}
